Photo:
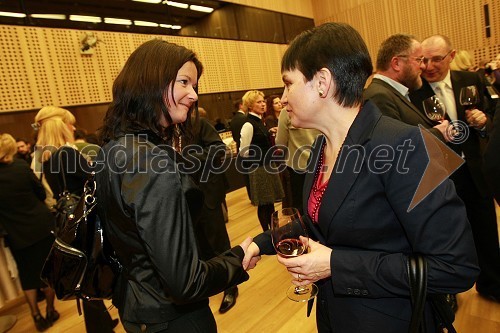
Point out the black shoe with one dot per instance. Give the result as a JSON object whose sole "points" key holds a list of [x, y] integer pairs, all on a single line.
{"points": [[40, 323], [451, 299], [114, 323], [229, 300], [51, 317]]}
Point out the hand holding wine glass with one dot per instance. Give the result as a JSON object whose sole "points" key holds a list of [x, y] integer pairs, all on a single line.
{"points": [[434, 108], [469, 98], [290, 239]]}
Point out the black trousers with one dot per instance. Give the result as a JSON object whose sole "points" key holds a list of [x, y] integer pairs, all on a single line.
{"points": [[482, 217], [199, 321]]}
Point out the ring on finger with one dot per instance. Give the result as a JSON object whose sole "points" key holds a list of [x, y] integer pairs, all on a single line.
{"points": [[298, 277]]}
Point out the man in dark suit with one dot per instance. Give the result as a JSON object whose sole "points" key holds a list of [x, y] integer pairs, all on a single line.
{"points": [[239, 118], [237, 122], [469, 179], [399, 65]]}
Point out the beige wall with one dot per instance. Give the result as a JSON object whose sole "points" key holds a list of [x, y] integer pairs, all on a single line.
{"points": [[43, 66], [295, 7], [461, 20]]}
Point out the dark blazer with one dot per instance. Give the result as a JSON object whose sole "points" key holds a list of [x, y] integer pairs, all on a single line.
{"points": [[236, 124], [210, 228], [364, 218], [23, 212], [492, 157], [395, 105], [471, 147]]}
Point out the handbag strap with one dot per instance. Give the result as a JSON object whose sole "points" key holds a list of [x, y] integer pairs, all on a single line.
{"points": [[417, 275], [61, 164]]}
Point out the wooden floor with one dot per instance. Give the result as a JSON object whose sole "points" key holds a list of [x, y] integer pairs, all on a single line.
{"points": [[262, 305]]}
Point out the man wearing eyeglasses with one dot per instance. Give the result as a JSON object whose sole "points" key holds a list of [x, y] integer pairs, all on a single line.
{"points": [[469, 180], [399, 65]]}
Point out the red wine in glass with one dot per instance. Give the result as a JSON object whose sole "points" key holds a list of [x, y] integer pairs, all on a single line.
{"points": [[290, 239], [469, 97]]}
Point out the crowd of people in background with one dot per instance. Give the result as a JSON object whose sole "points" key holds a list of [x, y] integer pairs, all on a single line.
{"points": [[326, 106]]}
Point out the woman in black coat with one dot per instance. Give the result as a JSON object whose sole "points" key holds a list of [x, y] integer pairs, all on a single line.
{"points": [[28, 223]]}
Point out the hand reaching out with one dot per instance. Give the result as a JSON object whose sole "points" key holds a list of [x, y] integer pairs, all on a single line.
{"points": [[251, 254]]}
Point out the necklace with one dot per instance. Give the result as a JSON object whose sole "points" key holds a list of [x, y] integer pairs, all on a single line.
{"points": [[318, 190], [177, 139]]}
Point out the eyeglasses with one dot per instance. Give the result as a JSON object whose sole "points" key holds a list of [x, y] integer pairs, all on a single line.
{"points": [[418, 59], [436, 59]]}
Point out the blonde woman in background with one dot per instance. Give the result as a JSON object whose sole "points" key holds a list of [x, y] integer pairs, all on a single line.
{"points": [[28, 223], [256, 145], [56, 153], [463, 61]]}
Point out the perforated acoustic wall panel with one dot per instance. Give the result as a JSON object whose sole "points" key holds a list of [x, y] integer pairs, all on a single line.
{"points": [[42, 66], [463, 21]]}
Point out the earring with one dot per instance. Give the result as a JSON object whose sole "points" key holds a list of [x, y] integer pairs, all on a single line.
{"points": [[320, 93]]}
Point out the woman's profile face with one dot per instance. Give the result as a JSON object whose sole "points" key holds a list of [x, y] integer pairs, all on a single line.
{"points": [[299, 98], [184, 94], [277, 104], [259, 106]]}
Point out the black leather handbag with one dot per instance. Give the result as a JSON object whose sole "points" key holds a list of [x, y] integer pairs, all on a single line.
{"points": [[81, 263], [443, 314]]}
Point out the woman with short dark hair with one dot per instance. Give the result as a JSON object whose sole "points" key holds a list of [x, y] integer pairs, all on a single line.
{"points": [[364, 175]]}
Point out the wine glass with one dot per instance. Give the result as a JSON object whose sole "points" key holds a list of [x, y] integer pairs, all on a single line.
{"points": [[434, 108], [290, 239], [469, 97]]}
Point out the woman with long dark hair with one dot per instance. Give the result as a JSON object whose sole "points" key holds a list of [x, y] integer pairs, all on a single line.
{"points": [[148, 201]]}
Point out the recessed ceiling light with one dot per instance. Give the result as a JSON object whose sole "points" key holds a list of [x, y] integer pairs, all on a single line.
{"points": [[176, 4], [84, 18], [201, 8], [10, 14], [49, 16], [111, 20], [148, 1], [146, 24]]}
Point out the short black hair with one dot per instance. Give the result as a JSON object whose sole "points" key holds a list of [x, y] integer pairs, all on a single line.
{"points": [[338, 47]]}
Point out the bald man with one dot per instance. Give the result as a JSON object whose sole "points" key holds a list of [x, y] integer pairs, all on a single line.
{"points": [[473, 124]]}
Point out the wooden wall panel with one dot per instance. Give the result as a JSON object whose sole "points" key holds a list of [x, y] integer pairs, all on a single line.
{"points": [[43, 66], [461, 20], [295, 7]]}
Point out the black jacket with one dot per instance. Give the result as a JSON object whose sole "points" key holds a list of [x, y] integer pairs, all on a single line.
{"points": [[365, 218], [146, 215], [23, 213]]}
